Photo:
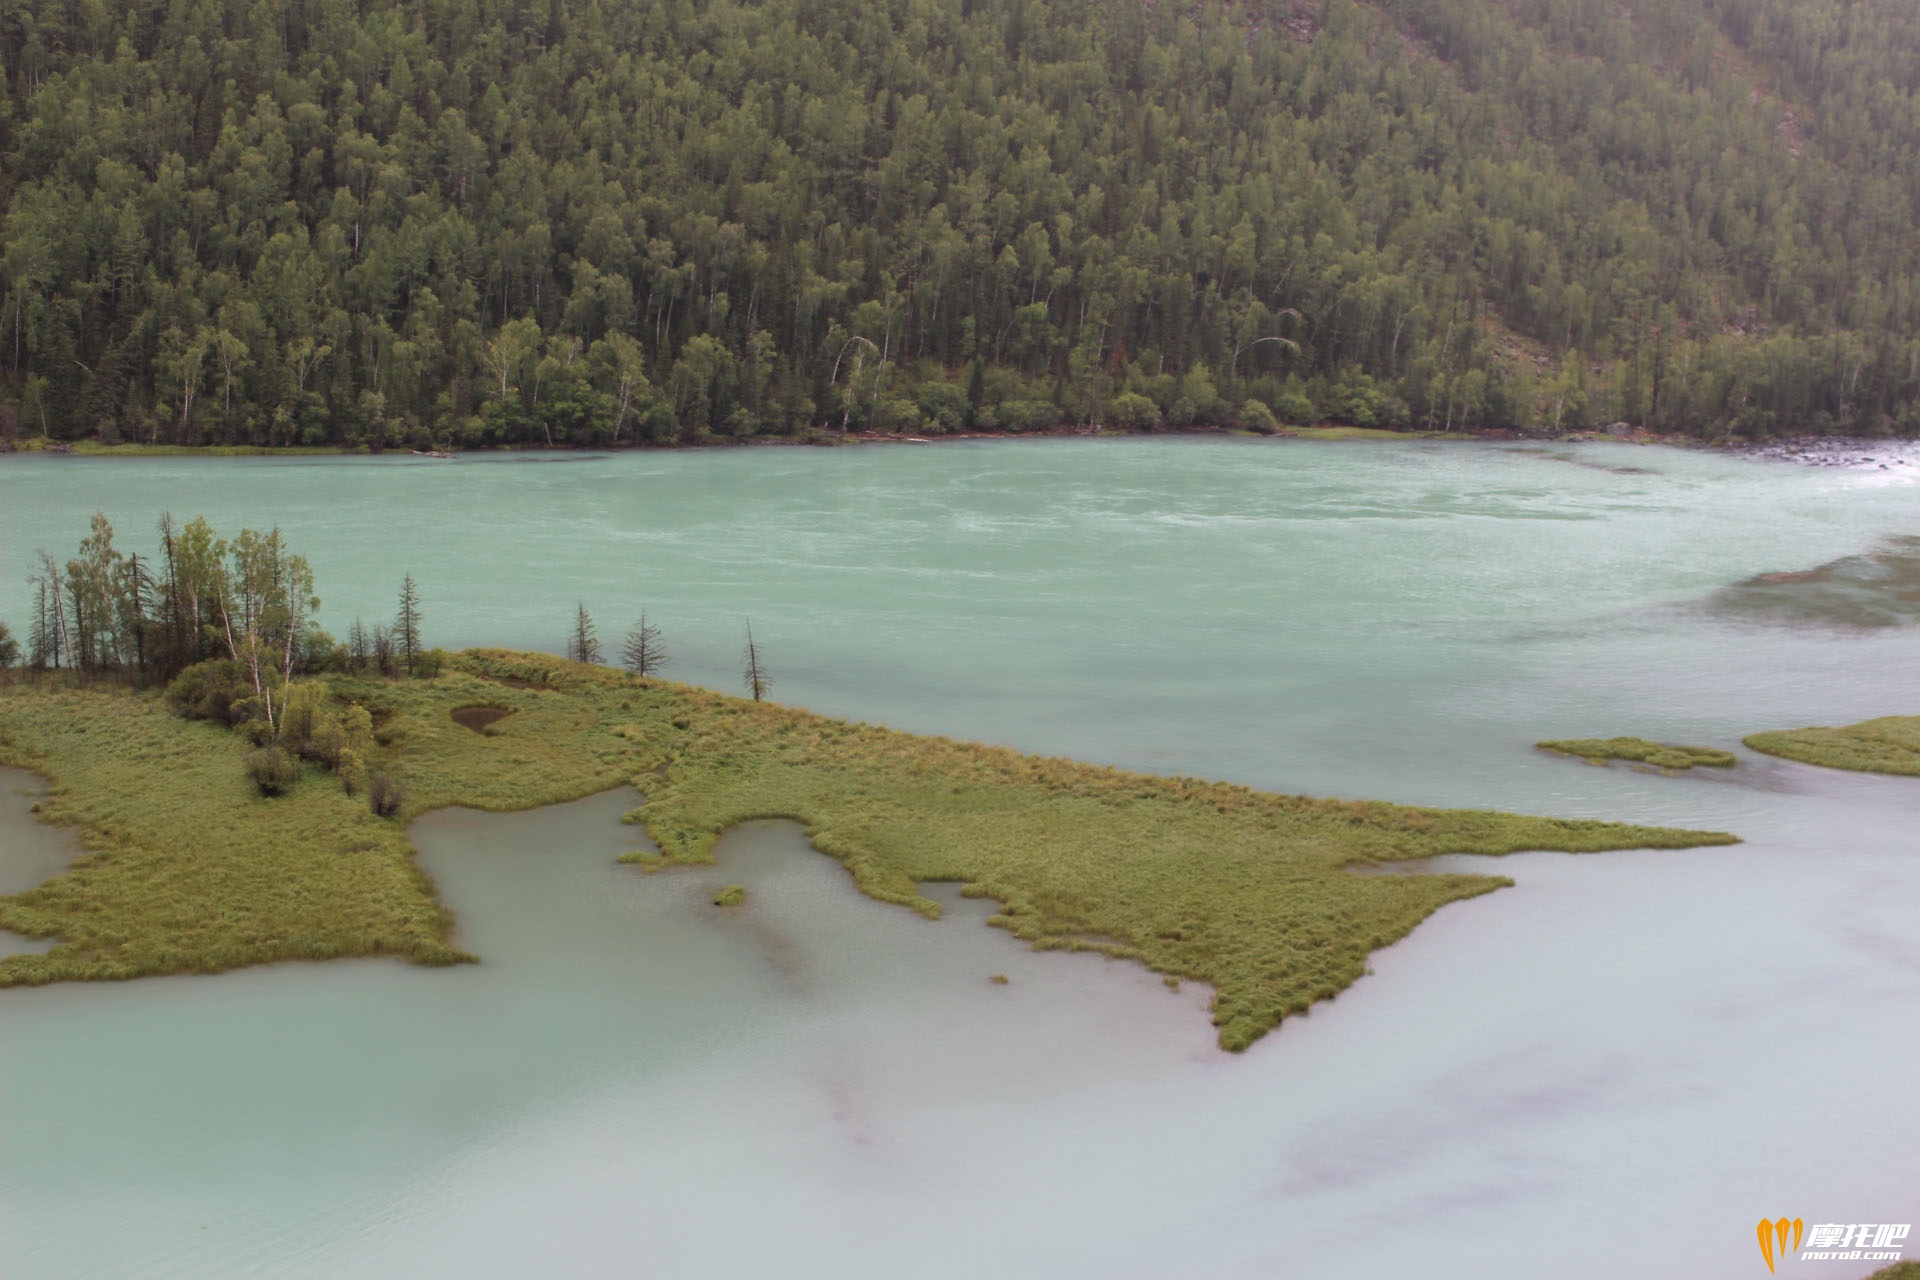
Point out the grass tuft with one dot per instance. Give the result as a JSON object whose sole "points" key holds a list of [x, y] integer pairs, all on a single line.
{"points": [[731, 896], [1661, 755]]}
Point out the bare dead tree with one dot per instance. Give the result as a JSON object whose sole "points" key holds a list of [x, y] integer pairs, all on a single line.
{"points": [[644, 654], [757, 679]]}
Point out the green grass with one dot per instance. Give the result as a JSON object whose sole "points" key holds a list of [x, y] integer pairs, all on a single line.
{"points": [[1661, 755], [1246, 891], [1890, 744]]}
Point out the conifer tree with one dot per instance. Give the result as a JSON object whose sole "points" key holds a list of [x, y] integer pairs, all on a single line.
{"points": [[584, 646], [406, 626]]}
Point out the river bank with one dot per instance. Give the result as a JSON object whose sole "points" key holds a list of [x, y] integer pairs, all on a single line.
{"points": [[1809, 451]]}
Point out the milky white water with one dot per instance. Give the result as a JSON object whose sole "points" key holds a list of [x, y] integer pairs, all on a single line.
{"points": [[1613, 1069]]}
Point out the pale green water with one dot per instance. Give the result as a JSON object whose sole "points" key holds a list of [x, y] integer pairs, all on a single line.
{"points": [[1681, 1042]]}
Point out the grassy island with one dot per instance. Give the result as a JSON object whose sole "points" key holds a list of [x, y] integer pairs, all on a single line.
{"points": [[1661, 755], [1890, 744], [192, 869]]}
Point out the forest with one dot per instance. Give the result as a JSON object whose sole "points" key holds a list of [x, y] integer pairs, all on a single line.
{"points": [[464, 223]]}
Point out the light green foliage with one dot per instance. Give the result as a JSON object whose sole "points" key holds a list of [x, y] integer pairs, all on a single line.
{"points": [[273, 769], [1890, 744], [191, 870], [1250, 892], [1661, 755], [731, 896]]}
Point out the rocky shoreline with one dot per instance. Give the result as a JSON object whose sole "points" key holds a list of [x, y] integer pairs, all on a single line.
{"points": [[1819, 451]]}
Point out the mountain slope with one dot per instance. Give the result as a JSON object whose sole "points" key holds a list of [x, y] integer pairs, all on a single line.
{"points": [[492, 221]]}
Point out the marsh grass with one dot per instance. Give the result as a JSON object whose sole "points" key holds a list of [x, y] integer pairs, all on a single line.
{"points": [[1661, 755], [1890, 744], [1245, 891]]}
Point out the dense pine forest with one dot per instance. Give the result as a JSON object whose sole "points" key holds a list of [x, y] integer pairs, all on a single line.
{"points": [[473, 222]]}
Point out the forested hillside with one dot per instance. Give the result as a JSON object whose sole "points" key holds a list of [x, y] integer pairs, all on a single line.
{"points": [[593, 221]]}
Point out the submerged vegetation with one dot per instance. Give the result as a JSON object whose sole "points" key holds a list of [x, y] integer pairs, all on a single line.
{"points": [[1890, 744], [1661, 755], [192, 870]]}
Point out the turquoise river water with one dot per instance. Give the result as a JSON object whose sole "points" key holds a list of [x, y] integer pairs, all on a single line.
{"points": [[1615, 1068]]}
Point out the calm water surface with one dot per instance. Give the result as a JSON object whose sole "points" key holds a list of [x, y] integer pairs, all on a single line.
{"points": [[817, 1084]]}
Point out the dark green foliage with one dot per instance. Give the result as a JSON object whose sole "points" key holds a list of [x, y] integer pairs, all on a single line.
{"points": [[390, 225], [9, 647], [273, 769], [1661, 755], [208, 690], [384, 796], [406, 625]]}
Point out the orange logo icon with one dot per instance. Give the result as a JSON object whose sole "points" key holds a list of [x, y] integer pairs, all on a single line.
{"points": [[1773, 1239]]}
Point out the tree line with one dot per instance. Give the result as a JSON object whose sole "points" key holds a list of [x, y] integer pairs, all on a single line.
{"points": [[362, 223], [249, 601]]}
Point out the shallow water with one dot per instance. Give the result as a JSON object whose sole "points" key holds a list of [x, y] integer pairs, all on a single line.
{"points": [[30, 851], [1617, 1066]]}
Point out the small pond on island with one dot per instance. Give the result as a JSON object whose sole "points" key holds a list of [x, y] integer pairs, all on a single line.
{"points": [[1616, 1067]]}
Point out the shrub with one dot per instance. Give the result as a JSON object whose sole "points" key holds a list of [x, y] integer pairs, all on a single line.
{"points": [[1258, 417], [9, 647], [896, 414], [350, 771], [1131, 409], [731, 896], [1029, 415], [384, 796], [306, 722], [943, 406], [208, 690], [273, 771], [1293, 405]]}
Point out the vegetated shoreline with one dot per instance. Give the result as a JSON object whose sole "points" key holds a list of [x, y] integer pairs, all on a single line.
{"points": [[1810, 450], [1832, 451], [823, 438], [191, 870], [1888, 744]]}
